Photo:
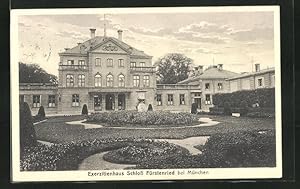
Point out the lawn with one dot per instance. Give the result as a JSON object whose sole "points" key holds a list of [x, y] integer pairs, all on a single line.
{"points": [[56, 130]]}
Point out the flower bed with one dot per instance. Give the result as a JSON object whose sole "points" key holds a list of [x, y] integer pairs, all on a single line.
{"points": [[119, 118], [68, 156]]}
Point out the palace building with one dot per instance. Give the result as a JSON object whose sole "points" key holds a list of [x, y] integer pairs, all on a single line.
{"points": [[106, 74]]}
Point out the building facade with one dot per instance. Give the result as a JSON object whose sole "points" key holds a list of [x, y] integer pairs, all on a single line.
{"points": [[106, 74]]}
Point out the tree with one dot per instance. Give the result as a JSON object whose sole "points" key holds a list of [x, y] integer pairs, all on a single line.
{"points": [[41, 112], [172, 68], [194, 108], [33, 73], [84, 110]]}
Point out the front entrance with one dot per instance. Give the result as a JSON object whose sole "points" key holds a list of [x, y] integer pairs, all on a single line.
{"points": [[198, 102], [97, 102], [121, 102], [110, 102]]}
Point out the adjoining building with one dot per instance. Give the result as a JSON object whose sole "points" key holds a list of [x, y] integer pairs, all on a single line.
{"points": [[107, 74]]}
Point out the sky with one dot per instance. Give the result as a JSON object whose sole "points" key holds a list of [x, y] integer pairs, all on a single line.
{"points": [[235, 39]]}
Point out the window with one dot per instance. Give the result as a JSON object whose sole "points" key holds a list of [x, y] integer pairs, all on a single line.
{"points": [[207, 99], [81, 80], [22, 98], [121, 80], [197, 94], [170, 99], [142, 64], [98, 62], [220, 86], [146, 80], [207, 86], [70, 62], [109, 80], [36, 101], [260, 82], [51, 101], [132, 64], [109, 62], [98, 80], [121, 62], [159, 99], [70, 80], [181, 99], [75, 100], [136, 80], [81, 62]]}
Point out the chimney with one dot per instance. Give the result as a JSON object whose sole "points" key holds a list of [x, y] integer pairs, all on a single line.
{"points": [[93, 31], [220, 66], [120, 35], [257, 67]]}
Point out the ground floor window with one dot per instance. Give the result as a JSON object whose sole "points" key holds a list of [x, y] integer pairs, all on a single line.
{"points": [[98, 102], [75, 100], [181, 99], [158, 99], [36, 101], [207, 99], [51, 101], [170, 99]]}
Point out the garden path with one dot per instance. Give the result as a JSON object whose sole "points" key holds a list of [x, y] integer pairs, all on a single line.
{"points": [[205, 122], [96, 162]]}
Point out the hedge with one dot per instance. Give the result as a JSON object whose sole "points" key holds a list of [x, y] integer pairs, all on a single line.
{"points": [[264, 97]]}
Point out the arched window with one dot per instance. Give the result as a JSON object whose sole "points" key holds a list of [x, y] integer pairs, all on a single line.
{"points": [[98, 80], [121, 80], [109, 80]]}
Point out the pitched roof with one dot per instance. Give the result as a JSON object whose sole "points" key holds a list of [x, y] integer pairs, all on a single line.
{"points": [[211, 73], [88, 45], [247, 74]]}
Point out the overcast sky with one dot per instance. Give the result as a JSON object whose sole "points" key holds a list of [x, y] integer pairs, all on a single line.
{"points": [[227, 38]]}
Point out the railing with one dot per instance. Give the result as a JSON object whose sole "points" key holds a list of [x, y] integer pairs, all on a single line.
{"points": [[73, 67], [177, 86], [142, 69]]}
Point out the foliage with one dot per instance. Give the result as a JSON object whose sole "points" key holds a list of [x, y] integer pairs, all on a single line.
{"points": [[150, 108], [194, 108], [120, 118], [27, 132], [33, 73], [172, 68], [41, 112], [84, 110], [241, 99]]}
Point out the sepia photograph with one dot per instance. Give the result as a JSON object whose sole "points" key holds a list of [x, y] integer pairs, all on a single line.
{"points": [[177, 93]]}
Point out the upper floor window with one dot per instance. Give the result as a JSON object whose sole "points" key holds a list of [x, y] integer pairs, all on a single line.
{"points": [[207, 99], [220, 86], [170, 99], [207, 86], [132, 64], [70, 62], [98, 80], [81, 62], [159, 99], [51, 101], [181, 99], [121, 80], [70, 80], [75, 100], [260, 82], [36, 99], [142, 64], [81, 80], [109, 80], [98, 62], [136, 80], [109, 62], [146, 80], [121, 62]]}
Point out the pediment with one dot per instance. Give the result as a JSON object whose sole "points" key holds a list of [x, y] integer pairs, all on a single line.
{"points": [[109, 47]]}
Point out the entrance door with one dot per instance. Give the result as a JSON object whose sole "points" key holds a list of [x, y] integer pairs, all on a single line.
{"points": [[121, 102], [198, 102], [110, 102], [97, 102]]}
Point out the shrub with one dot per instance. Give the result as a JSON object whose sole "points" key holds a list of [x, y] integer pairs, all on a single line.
{"points": [[27, 132], [84, 110], [227, 109], [119, 118], [150, 108], [41, 112], [194, 108]]}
